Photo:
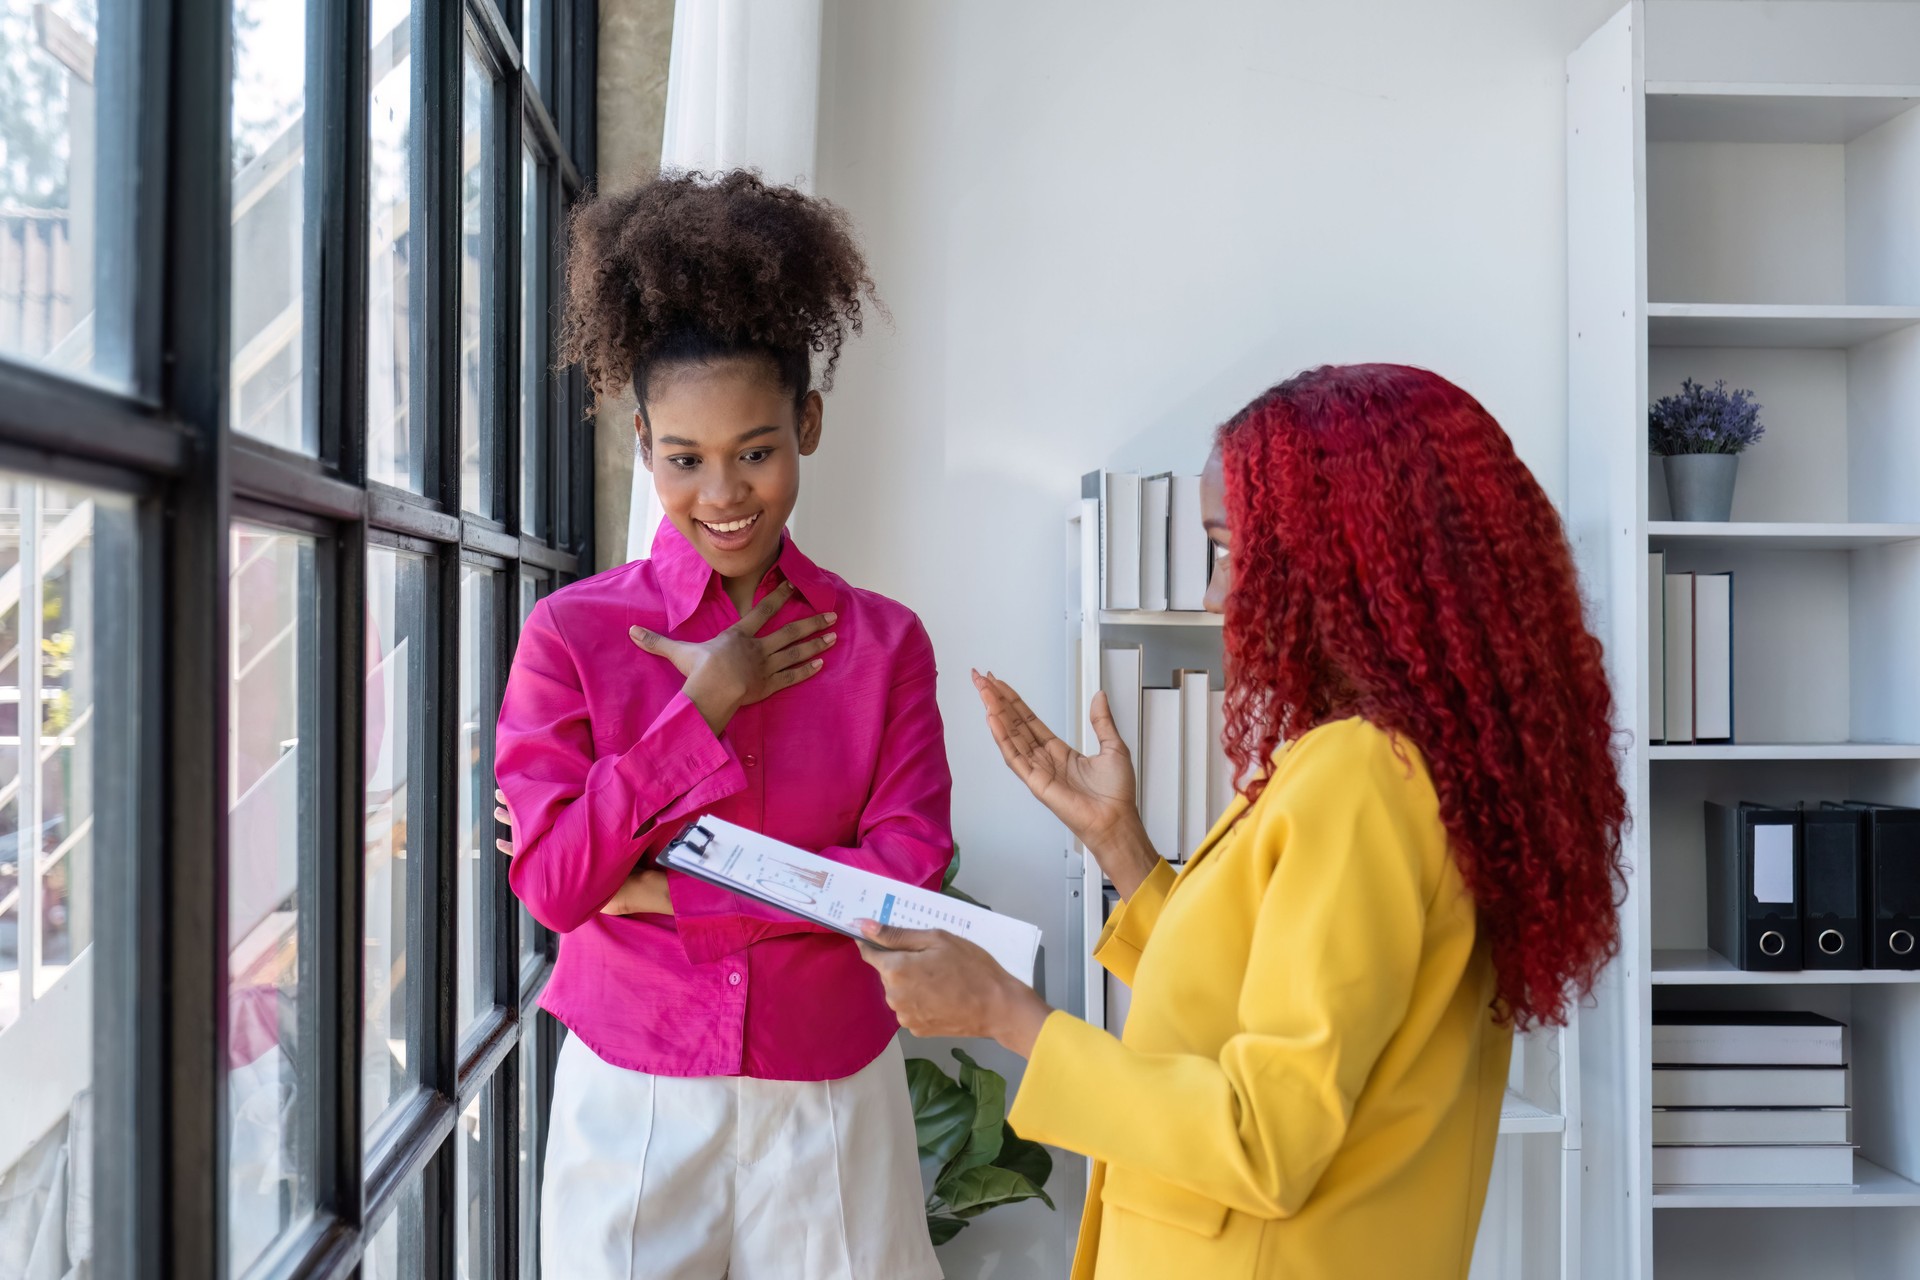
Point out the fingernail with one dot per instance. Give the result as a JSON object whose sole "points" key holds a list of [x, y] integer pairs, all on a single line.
{"points": [[831, 637], [832, 618], [818, 663]]}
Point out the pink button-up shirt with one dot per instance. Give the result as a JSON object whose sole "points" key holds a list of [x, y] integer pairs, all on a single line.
{"points": [[604, 759]]}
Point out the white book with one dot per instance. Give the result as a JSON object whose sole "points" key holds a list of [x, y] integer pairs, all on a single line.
{"points": [[1160, 770], [1749, 1086], [1753, 1166], [1751, 1038], [1189, 553], [1120, 679], [1679, 657], [832, 894], [1196, 816], [1119, 494], [1713, 657], [1153, 542], [1749, 1126], [1657, 646], [1220, 789]]}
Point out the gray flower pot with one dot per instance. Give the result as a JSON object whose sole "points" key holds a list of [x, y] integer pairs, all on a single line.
{"points": [[1700, 485]]}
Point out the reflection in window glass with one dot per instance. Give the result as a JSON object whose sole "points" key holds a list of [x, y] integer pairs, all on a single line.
{"points": [[474, 1193], [533, 40], [533, 353], [396, 796], [478, 168], [396, 446], [272, 772], [479, 705], [273, 237], [532, 588], [529, 1160], [66, 695], [398, 1249], [64, 185]]}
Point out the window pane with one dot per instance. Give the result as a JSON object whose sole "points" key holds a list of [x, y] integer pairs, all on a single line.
{"points": [[533, 352], [529, 1158], [272, 804], [398, 1249], [273, 235], [66, 705], [475, 1197], [534, 42], [532, 588], [65, 184], [396, 444], [478, 876], [396, 794], [478, 169]]}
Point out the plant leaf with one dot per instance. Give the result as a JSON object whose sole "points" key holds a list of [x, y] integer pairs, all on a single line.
{"points": [[989, 1091], [943, 1112], [953, 871], [1028, 1159], [976, 1190], [943, 1228]]}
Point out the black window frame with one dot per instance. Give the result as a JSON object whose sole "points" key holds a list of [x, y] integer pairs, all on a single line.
{"points": [[169, 442]]}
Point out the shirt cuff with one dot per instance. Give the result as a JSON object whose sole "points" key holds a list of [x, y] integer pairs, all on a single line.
{"points": [[1128, 928], [678, 752]]}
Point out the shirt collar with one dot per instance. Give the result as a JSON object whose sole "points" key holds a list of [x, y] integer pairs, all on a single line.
{"points": [[685, 576]]}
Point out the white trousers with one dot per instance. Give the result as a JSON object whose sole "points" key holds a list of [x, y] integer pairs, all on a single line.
{"points": [[663, 1178]]}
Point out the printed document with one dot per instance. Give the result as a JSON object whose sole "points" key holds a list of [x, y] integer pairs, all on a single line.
{"points": [[829, 893]]}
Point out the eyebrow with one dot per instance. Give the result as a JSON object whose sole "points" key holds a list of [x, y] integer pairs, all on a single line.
{"points": [[679, 442]]}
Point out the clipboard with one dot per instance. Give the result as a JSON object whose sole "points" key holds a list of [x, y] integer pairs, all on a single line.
{"points": [[687, 853]]}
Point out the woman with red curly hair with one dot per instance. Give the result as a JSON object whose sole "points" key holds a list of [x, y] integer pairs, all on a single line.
{"points": [[1425, 855]]}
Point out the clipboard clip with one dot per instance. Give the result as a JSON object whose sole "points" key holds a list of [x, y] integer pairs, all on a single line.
{"points": [[696, 840]]}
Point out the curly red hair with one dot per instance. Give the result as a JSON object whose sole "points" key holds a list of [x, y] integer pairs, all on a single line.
{"points": [[1394, 559]]}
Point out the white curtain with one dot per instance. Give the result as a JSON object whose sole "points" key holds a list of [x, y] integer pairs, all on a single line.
{"points": [[743, 92]]}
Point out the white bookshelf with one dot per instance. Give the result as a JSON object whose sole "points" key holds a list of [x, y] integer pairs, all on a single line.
{"points": [[1537, 1173], [1744, 203]]}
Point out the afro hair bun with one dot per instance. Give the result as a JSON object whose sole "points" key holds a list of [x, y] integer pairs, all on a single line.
{"points": [[690, 262]]}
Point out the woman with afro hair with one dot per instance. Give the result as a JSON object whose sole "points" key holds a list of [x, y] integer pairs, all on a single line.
{"points": [[1424, 855], [730, 1101]]}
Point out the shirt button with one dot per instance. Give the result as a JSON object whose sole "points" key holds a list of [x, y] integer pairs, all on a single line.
{"points": [[751, 761], [733, 979]]}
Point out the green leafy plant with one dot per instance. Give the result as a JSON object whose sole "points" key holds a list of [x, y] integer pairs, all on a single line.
{"points": [[969, 1154]]}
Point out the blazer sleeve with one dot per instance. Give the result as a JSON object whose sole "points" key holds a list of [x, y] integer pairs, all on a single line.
{"points": [[580, 819], [1337, 942], [905, 827], [1128, 929]]}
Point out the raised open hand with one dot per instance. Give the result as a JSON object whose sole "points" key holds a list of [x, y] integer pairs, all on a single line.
{"points": [[1093, 795], [740, 667]]}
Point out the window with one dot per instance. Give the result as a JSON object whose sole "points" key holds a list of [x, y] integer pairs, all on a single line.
{"points": [[66, 120], [66, 698], [282, 464]]}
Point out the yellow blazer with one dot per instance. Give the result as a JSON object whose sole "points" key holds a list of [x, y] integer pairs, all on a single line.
{"points": [[1310, 1080]]}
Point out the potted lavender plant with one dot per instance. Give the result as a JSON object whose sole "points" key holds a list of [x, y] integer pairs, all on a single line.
{"points": [[1701, 434]]}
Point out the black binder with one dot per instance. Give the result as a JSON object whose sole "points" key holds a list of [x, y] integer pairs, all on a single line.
{"points": [[1893, 884], [1834, 888], [1754, 885]]}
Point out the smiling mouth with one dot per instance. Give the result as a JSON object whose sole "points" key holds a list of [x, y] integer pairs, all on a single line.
{"points": [[731, 529]]}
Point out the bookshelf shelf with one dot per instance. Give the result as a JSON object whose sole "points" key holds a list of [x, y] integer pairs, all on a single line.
{"points": [[1742, 205], [1780, 535], [1690, 968], [1876, 1188], [1517, 1115], [1688, 324], [1761, 751], [1158, 618]]}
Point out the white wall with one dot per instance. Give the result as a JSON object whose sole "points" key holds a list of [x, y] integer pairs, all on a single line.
{"points": [[1103, 228]]}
